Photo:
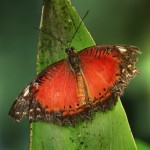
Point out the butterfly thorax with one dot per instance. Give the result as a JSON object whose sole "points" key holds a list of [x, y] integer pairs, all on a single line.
{"points": [[73, 59], [75, 67]]}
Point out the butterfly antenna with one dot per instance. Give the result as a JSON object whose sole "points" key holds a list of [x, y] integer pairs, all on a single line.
{"points": [[78, 27], [51, 36]]}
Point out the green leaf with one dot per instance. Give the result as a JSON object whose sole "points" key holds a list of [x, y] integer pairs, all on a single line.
{"points": [[106, 130]]}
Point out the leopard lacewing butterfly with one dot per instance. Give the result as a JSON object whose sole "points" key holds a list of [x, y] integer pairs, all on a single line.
{"points": [[86, 81], [72, 88]]}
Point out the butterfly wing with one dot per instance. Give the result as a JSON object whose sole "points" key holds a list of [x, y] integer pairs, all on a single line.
{"points": [[60, 95], [107, 71], [51, 95]]}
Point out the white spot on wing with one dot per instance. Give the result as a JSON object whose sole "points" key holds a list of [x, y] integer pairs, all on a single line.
{"points": [[17, 113], [26, 91], [24, 113], [121, 49], [35, 84], [31, 110]]}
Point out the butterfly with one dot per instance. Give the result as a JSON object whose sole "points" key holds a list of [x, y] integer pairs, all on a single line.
{"points": [[73, 88]]}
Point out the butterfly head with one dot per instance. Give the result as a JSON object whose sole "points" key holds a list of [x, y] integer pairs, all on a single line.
{"points": [[70, 50]]}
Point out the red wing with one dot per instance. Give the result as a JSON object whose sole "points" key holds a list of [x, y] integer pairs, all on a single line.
{"points": [[107, 70], [57, 89], [52, 94], [58, 95]]}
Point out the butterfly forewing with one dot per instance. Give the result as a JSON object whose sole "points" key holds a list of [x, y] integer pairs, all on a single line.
{"points": [[107, 70], [53, 93], [57, 90], [99, 68]]}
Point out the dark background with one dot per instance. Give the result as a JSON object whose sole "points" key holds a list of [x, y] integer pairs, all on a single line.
{"points": [[109, 22]]}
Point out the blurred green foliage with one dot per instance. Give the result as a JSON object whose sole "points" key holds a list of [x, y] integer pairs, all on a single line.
{"points": [[109, 22], [142, 145]]}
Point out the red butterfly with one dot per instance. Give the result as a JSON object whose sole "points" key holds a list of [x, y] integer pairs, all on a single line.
{"points": [[84, 82]]}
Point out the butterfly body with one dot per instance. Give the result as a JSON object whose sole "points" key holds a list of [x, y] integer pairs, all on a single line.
{"points": [[87, 81]]}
